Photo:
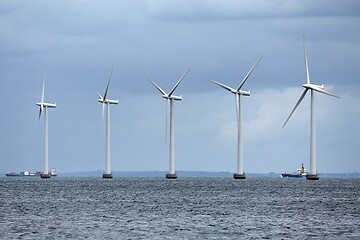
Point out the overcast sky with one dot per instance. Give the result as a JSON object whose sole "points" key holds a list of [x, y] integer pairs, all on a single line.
{"points": [[80, 41]]}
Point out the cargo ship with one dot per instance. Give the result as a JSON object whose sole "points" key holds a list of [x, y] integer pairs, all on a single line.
{"points": [[301, 172], [52, 173]]}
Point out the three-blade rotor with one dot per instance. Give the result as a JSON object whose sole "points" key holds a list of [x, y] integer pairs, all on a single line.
{"points": [[308, 86], [170, 94], [238, 92], [238, 89], [43, 104], [104, 100]]}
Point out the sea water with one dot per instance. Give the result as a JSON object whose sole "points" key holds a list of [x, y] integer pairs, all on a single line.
{"points": [[185, 208]]}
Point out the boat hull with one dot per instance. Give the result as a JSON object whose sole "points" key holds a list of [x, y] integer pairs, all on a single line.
{"points": [[288, 175], [51, 173]]}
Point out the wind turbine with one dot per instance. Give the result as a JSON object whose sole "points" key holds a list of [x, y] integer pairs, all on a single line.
{"points": [[170, 100], [107, 102], [240, 174], [312, 87], [44, 108]]}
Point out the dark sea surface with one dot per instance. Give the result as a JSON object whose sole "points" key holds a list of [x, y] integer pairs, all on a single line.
{"points": [[185, 208]]}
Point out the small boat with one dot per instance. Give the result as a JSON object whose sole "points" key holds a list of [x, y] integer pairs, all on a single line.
{"points": [[301, 172], [52, 173]]}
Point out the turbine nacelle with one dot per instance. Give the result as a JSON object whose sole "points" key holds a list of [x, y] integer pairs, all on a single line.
{"points": [[313, 86], [50, 105], [319, 88], [244, 93], [232, 90], [177, 98], [109, 101]]}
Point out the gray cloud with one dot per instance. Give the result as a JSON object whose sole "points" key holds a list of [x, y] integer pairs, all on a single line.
{"points": [[202, 10]]}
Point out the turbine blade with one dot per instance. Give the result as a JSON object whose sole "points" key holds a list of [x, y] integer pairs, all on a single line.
{"points": [[223, 86], [39, 115], [306, 63], [107, 87], [177, 84], [167, 119], [297, 104], [318, 89], [157, 87], [99, 96], [248, 74]]}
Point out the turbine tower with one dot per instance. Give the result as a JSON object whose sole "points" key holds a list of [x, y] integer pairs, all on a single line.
{"points": [[44, 108], [105, 101], [240, 174], [170, 100], [312, 87]]}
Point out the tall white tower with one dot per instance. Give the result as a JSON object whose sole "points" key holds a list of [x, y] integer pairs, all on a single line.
{"points": [[106, 102], [240, 174], [318, 88], [44, 108], [170, 104]]}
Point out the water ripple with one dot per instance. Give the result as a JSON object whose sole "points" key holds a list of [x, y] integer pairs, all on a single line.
{"points": [[186, 208]]}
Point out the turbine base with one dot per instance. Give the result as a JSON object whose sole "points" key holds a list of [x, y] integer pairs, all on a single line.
{"points": [[171, 176], [312, 177], [107, 175], [45, 175], [239, 176]]}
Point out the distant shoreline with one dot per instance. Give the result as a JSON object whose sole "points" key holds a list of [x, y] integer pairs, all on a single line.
{"points": [[98, 173]]}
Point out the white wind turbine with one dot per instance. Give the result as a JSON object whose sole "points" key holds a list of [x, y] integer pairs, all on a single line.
{"points": [[312, 87], [43, 108], [238, 93], [170, 100], [107, 102]]}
